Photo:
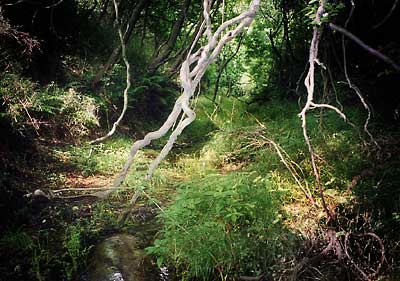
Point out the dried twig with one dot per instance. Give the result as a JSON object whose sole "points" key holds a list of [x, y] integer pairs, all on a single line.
{"points": [[382, 250], [33, 121], [291, 169], [333, 245], [35, 3], [82, 189]]}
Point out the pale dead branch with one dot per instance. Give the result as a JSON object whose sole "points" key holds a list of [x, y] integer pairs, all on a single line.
{"points": [[309, 83], [190, 79], [128, 80], [192, 70], [365, 46]]}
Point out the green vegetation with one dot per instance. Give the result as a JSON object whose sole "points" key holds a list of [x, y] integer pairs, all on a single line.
{"points": [[75, 250], [238, 212], [237, 197], [225, 224], [29, 107]]}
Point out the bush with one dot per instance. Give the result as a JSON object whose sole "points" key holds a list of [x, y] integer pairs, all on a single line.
{"points": [[226, 224], [29, 107]]}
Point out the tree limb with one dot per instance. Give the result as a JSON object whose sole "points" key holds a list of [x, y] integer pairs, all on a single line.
{"points": [[189, 79], [353, 86], [365, 46], [127, 35], [128, 81], [176, 29], [387, 16], [309, 83]]}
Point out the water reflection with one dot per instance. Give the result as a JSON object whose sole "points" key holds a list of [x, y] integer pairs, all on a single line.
{"points": [[164, 274]]}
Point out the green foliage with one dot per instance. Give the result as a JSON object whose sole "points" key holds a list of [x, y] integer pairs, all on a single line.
{"points": [[226, 224], [30, 107], [332, 10], [17, 240], [106, 158], [75, 250]]}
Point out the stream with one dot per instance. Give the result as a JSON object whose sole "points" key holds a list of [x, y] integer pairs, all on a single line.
{"points": [[121, 256]]}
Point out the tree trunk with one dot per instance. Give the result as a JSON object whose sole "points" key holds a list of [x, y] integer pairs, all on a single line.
{"points": [[128, 33], [163, 55], [181, 54], [224, 65]]}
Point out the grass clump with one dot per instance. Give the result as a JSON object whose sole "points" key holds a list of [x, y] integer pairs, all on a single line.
{"points": [[226, 224]]}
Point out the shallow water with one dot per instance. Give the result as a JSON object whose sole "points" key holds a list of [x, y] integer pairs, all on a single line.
{"points": [[121, 257]]}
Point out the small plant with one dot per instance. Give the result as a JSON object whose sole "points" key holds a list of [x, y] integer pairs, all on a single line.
{"points": [[222, 224], [16, 239], [75, 250]]}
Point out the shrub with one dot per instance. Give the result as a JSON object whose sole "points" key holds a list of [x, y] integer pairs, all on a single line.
{"points": [[226, 224], [29, 107], [78, 113]]}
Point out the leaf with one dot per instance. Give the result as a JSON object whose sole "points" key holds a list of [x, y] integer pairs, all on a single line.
{"points": [[139, 89], [160, 261]]}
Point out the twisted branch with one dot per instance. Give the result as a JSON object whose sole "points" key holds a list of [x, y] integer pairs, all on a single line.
{"points": [[190, 79]]}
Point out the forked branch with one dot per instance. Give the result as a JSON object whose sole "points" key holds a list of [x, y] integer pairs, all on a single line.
{"points": [[309, 83], [191, 72]]}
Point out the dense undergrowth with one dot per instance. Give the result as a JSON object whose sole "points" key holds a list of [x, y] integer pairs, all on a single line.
{"points": [[236, 197], [245, 215], [229, 204]]}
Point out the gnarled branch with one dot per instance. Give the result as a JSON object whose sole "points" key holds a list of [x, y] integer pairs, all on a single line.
{"points": [[197, 60]]}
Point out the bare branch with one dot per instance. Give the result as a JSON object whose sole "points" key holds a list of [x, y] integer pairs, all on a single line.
{"points": [[290, 168], [323, 105], [352, 85], [164, 52], [76, 189], [382, 257], [35, 3], [365, 46], [387, 16], [128, 81], [309, 83], [189, 82], [207, 18]]}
